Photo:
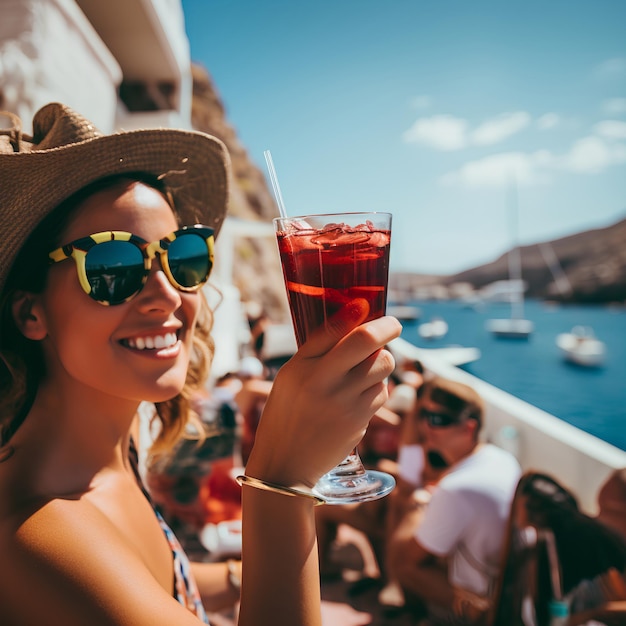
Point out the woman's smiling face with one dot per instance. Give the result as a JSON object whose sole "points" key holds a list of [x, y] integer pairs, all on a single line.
{"points": [[138, 350]]}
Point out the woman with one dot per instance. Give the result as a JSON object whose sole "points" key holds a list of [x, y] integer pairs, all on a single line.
{"points": [[95, 320]]}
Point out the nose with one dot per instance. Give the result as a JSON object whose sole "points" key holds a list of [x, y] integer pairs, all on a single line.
{"points": [[158, 294]]}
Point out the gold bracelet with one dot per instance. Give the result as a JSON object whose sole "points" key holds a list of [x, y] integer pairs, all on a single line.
{"points": [[286, 491]]}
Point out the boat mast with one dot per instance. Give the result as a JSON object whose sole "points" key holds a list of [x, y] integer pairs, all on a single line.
{"points": [[514, 257], [561, 280]]}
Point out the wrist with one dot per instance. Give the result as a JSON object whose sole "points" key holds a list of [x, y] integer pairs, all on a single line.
{"points": [[263, 485], [257, 468]]}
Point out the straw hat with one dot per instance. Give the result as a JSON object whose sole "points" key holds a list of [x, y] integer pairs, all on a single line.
{"points": [[67, 152]]}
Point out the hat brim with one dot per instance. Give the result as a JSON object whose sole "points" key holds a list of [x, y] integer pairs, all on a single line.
{"points": [[194, 168]]}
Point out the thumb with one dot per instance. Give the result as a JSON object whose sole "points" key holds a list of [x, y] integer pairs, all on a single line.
{"points": [[336, 327]]}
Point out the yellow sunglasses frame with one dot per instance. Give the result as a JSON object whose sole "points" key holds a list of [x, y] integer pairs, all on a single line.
{"points": [[79, 248]]}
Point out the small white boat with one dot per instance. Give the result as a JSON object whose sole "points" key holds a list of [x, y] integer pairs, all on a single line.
{"points": [[513, 328], [404, 312], [435, 329], [582, 347]]}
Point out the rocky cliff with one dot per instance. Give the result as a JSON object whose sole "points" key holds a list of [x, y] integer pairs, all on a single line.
{"points": [[256, 271]]}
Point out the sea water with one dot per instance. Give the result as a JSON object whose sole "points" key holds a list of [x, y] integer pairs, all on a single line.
{"points": [[592, 399]]}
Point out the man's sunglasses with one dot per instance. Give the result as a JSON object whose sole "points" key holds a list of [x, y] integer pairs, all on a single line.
{"points": [[113, 266], [438, 420]]}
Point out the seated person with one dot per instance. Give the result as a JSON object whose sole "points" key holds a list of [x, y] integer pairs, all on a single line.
{"points": [[378, 518], [416, 476], [382, 438], [251, 398], [559, 558], [456, 546]]}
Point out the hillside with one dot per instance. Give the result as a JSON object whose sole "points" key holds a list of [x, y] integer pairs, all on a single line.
{"points": [[250, 199], [593, 263]]}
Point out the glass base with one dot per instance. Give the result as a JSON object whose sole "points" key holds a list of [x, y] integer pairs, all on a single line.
{"points": [[336, 488]]}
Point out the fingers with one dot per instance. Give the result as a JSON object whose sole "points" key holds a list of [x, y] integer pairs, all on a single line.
{"points": [[337, 326], [323, 398]]}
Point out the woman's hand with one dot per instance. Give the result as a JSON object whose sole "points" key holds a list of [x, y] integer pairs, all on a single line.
{"points": [[323, 398]]}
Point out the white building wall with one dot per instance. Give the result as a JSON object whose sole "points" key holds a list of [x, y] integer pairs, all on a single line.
{"points": [[50, 52], [169, 18]]}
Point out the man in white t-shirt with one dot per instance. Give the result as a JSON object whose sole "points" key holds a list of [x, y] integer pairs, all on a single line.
{"points": [[452, 557]]}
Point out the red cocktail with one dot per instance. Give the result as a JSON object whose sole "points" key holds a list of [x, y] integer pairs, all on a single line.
{"points": [[326, 269], [329, 260]]}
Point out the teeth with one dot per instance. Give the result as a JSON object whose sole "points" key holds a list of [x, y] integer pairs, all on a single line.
{"points": [[150, 343]]}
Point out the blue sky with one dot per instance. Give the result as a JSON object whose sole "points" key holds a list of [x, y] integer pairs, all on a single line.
{"points": [[429, 110]]}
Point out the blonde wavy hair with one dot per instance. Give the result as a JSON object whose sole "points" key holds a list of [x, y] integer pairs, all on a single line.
{"points": [[22, 365], [176, 414]]}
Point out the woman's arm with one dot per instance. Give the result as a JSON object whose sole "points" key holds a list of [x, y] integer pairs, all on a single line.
{"points": [[281, 575], [318, 410]]}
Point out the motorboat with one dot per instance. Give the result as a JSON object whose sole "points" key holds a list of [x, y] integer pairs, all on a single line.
{"points": [[437, 328], [582, 347]]}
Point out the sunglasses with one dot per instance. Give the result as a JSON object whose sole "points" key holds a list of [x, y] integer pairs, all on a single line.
{"points": [[113, 266], [438, 420]]}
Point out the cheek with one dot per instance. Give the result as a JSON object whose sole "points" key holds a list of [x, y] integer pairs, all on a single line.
{"points": [[75, 323], [438, 435], [77, 336], [190, 310]]}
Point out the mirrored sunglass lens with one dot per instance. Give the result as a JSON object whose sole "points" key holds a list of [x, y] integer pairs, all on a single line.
{"points": [[188, 258], [438, 419], [115, 270]]}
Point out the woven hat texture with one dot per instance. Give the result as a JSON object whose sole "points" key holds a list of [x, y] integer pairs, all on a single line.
{"points": [[67, 152]]}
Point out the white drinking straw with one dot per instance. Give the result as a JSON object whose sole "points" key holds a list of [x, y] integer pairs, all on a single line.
{"points": [[275, 185]]}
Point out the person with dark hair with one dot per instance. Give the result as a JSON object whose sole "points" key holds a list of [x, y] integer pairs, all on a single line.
{"points": [[449, 545], [106, 243], [560, 565]]}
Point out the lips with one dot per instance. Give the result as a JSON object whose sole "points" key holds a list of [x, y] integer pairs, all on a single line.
{"points": [[151, 342]]}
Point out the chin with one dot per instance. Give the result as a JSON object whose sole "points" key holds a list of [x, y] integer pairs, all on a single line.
{"points": [[166, 388]]}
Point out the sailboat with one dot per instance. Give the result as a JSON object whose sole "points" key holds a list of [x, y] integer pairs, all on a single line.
{"points": [[515, 327]]}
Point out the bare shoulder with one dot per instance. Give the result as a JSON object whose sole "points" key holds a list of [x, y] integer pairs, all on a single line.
{"points": [[65, 562]]}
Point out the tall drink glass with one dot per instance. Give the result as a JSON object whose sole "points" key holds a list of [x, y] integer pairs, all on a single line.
{"points": [[329, 260]]}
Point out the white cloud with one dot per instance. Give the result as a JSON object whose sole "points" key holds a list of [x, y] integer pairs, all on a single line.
{"points": [[447, 133], [422, 102], [500, 169], [548, 121], [614, 106], [592, 155], [589, 155], [442, 132], [499, 128], [611, 68], [612, 129]]}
